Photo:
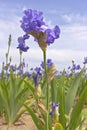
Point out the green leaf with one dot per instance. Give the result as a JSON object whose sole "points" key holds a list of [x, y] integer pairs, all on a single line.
{"points": [[71, 94], [54, 90], [61, 100], [30, 86], [35, 118], [13, 93], [84, 113], [75, 115]]}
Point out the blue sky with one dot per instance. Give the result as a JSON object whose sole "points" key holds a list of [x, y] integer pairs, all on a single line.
{"points": [[70, 15]]}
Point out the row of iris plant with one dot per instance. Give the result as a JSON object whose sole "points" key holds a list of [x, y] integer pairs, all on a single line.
{"points": [[54, 101]]}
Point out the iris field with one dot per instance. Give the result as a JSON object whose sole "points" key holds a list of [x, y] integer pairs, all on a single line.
{"points": [[55, 100]]}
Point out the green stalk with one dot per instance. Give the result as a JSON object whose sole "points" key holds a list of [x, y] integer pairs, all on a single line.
{"points": [[6, 65], [47, 86], [20, 60], [7, 54]]}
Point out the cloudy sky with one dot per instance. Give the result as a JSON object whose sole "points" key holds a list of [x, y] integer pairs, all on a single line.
{"points": [[70, 15]]}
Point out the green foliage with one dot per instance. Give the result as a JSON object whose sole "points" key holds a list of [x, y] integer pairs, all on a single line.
{"points": [[78, 109], [20, 94], [65, 90], [59, 96], [36, 120], [70, 97], [13, 93]]}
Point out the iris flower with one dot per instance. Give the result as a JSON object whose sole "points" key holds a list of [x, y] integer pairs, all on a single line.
{"points": [[54, 109], [33, 24], [21, 41]]}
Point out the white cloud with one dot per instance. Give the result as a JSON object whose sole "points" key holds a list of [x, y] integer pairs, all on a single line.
{"points": [[76, 31], [65, 54], [74, 18], [62, 58], [72, 43], [9, 27], [72, 37], [67, 18]]}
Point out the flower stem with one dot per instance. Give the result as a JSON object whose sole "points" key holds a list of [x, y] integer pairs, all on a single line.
{"points": [[47, 86], [7, 65], [20, 61]]}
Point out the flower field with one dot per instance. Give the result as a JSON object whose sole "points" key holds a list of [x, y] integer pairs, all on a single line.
{"points": [[53, 100]]}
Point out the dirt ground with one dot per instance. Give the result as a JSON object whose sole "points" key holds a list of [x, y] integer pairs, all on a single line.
{"points": [[24, 123]]}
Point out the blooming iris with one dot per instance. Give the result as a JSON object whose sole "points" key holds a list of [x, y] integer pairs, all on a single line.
{"points": [[33, 24], [36, 75], [54, 109], [85, 60], [54, 113], [49, 63], [21, 41], [76, 67], [13, 68], [32, 21], [52, 34]]}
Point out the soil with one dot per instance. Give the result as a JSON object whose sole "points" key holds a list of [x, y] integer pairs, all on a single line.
{"points": [[24, 123]]}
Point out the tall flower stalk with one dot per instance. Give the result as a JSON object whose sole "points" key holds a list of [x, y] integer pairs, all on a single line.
{"points": [[20, 64], [33, 24], [7, 55], [47, 86]]}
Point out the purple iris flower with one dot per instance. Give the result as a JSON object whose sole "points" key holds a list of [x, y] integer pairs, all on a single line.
{"points": [[12, 67], [36, 80], [22, 45], [54, 107], [42, 65], [85, 60], [32, 20], [33, 23], [36, 75], [26, 36], [76, 67], [38, 71], [49, 63], [21, 40], [52, 34], [69, 67]]}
